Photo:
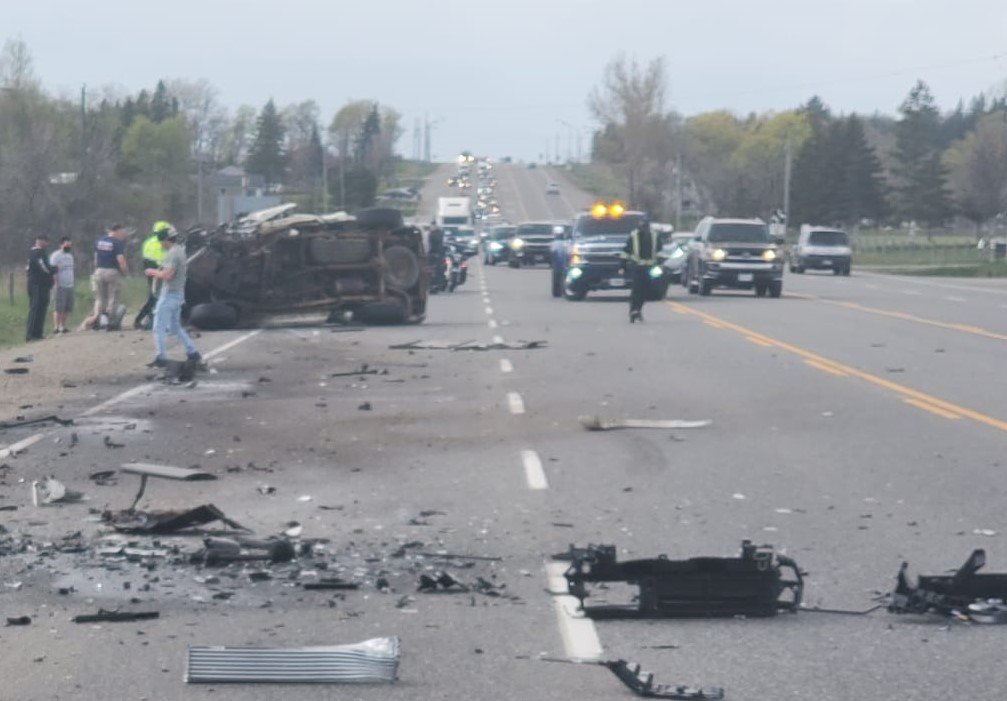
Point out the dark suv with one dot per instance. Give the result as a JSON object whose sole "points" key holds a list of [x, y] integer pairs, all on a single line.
{"points": [[531, 244], [734, 253]]}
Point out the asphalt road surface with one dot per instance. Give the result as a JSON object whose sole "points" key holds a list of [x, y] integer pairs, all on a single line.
{"points": [[856, 423]]}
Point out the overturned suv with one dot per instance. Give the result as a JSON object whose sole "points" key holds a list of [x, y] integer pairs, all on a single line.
{"points": [[275, 262], [734, 253]]}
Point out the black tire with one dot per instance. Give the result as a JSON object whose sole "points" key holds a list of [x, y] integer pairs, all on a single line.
{"points": [[380, 314], [213, 316], [837, 271], [705, 288], [379, 218], [846, 271], [514, 263], [557, 282], [799, 268], [776, 289], [574, 295], [402, 267], [760, 289]]}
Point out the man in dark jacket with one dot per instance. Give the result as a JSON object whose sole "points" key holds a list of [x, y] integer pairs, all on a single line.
{"points": [[40, 279], [640, 255]]}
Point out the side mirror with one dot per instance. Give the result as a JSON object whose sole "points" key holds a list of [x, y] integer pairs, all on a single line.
{"points": [[697, 238]]}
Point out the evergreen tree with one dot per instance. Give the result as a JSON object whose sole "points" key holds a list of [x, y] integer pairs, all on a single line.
{"points": [[266, 157], [368, 136], [811, 186], [162, 105], [921, 190], [863, 188]]}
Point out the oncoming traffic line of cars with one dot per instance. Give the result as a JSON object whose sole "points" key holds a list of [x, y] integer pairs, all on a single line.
{"points": [[722, 253]]}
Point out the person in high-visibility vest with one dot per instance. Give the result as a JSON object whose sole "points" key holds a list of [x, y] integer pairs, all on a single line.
{"points": [[152, 253], [640, 255]]}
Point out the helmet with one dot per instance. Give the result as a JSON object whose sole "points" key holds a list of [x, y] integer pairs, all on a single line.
{"points": [[160, 226]]}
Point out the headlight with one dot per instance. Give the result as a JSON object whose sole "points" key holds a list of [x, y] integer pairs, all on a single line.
{"points": [[496, 246], [677, 253], [574, 273], [718, 254], [656, 271], [769, 255], [517, 244]]}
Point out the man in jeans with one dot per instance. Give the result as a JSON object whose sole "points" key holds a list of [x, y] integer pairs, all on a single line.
{"points": [[168, 310], [109, 269]]}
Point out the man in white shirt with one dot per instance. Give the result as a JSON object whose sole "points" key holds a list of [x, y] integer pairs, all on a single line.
{"points": [[62, 263]]}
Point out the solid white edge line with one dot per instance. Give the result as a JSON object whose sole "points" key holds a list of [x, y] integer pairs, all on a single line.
{"points": [[533, 472], [506, 365], [129, 393], [515, 403], [580, 637], [15, 448]]}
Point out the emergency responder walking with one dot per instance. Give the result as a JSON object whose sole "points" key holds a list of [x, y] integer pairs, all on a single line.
{"points": [[640, 255], [40, 279], [152, 253]]}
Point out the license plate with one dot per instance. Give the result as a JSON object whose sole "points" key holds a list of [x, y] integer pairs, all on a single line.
{"points": [[616, 282], [826, 262], [745, 277]]}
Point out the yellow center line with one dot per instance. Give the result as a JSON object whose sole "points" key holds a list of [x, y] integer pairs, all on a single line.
{"points": [[752, 339], [905, 316], [932, 409], [901, 390], [714, 324], [825, 368]]}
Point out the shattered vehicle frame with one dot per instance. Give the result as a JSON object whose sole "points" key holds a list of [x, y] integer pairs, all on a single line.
{"points": [[752, 584], [949, 595], [276, 262]]}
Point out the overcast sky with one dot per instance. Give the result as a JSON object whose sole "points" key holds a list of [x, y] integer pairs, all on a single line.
{"points": [[502, 77]]}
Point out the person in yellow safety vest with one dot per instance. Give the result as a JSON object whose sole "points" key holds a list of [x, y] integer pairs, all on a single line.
{"points": [[152, 253], [640, 255]]}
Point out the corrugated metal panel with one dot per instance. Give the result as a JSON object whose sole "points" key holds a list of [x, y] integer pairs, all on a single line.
{"points": [[375, 660]]}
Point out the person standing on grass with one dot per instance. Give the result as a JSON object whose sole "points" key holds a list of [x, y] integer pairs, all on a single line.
{"points": [[109, 269], [168, 310], [40, 277], [61, 263]]}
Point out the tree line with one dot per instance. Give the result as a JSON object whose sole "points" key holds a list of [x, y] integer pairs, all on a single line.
{"points": [[919, 166], [73, 164]]}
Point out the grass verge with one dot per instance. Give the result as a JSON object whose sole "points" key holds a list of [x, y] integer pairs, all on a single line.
{"points": [[14, 313]]}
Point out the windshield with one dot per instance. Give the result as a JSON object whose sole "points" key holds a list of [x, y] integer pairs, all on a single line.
{"points": [[827, 238], [589, 226], [534, 230], [738, 233], [503, 232], [455, 220]]}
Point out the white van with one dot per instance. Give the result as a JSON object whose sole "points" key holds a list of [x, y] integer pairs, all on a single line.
{"points": [[821, 248]]}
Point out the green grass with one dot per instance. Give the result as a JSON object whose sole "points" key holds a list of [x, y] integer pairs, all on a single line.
{"points": [[14, 314]]}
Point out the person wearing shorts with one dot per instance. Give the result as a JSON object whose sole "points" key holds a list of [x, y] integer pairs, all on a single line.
{"points": [[61, 262], [109, 269]]}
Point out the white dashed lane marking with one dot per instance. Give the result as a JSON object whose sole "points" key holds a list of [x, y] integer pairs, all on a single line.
{"points": [[533, 472], [506, 366], [515, 403]]}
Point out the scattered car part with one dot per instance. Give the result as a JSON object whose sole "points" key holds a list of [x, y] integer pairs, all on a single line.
{"points": [[468, 346], [161, 522], [19, 620], [32, 422], [750, 585], [375, 660], [224, 550], [50, 491], [642, 683], [337, 584], [104, 616], [953, 595], [146, 470], [596, 423]]}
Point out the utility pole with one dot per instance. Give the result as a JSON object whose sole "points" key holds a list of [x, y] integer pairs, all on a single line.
{"points": [[557, 149], [325, 179], [788, 157], [426, 137], [678, 192], [83, 128]]}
